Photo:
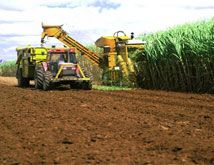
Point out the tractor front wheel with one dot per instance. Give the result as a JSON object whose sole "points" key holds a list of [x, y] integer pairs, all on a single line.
{"points": [[46, 80], [87, 85], [38, 78]]}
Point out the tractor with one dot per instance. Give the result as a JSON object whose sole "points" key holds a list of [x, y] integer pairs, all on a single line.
{"points": [[50, 68]]}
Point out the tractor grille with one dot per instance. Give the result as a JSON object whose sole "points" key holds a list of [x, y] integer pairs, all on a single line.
{"points": [[68, 72]]}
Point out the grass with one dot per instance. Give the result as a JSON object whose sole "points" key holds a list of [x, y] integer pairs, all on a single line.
{"points": [[110, 88], [8, 68], [87, 65]]}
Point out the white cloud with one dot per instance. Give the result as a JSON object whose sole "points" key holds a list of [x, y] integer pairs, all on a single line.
{"points": [[20, 21]]}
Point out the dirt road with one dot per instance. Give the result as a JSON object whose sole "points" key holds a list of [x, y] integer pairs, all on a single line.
{"points": [[104, 127]]}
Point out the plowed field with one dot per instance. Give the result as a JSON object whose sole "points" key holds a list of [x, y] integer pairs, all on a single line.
{"points": [[65, 126]]}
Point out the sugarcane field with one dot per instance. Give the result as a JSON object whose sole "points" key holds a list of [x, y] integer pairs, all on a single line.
{"points": [[107, 82]]}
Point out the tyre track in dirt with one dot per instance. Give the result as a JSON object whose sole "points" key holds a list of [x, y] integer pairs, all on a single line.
{"points": [[165, 99], [150, 105]]}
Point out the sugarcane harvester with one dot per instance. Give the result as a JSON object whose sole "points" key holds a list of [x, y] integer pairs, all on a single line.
{"points": [[114, 60]]}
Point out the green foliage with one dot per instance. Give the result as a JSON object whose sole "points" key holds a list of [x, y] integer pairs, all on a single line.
{"points": [[181, 58], [93, 69], [110, 88], [8, 68]]}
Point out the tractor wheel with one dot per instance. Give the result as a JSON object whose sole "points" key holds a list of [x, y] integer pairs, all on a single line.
{"points": [[46, 80], [38, 78], [22, 82], [75, 85], [87, 85], [87, 74]]}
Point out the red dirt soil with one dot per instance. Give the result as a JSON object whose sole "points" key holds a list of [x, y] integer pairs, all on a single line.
{"points": [[65, 126]]}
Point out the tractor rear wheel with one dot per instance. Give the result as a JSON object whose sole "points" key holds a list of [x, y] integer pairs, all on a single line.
{"points": [[46, 80], [22, 82], [38, 77]]}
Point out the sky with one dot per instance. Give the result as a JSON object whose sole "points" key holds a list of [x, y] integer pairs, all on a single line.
{"points": [[87, 20]]}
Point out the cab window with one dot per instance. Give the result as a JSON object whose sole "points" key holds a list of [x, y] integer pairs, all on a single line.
{"points": [[72, 58]]}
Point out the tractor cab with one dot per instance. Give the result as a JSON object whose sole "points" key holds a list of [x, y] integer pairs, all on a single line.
{"points": [[63, 58], [62, 55]]}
